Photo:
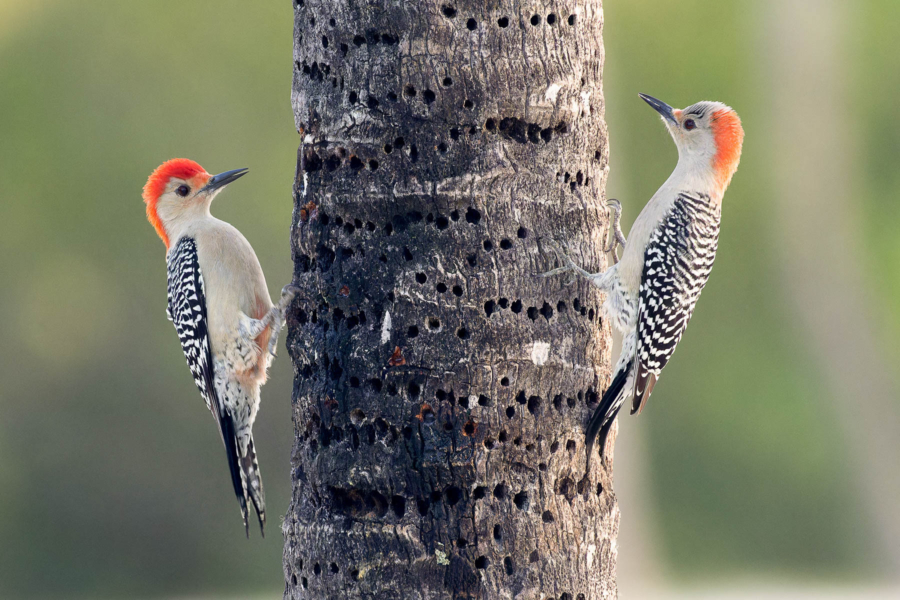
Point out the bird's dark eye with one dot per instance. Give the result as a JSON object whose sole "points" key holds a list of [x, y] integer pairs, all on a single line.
{"points": [[183, 190], [689, 124]]}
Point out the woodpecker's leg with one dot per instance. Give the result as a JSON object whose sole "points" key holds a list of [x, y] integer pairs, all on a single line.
{"points": [[251, 328], [287, 295], [616, 237], [601, 280]]}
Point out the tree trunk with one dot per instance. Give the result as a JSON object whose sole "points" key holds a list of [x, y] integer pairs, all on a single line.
{"points": [[441, 388]]}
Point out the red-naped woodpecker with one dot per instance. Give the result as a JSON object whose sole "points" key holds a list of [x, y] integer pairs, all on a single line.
{"points": [[220, 305], [651, 292]]}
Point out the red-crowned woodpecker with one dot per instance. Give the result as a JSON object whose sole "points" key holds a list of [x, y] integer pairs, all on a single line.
{"points": [[220, 305], [651, 292]]}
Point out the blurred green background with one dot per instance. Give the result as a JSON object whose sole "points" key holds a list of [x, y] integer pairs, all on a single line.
{"points": [[768, 450]]}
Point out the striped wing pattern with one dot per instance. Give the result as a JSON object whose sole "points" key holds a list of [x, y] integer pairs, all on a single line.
{"points": [[187, 310], [677, 264]]}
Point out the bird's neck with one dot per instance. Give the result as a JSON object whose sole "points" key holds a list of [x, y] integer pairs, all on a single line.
{"points": [[695, 175], [181, 222]]}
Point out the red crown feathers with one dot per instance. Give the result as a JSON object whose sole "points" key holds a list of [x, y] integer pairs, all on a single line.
{"points": [[180, 168], [729, 136]]}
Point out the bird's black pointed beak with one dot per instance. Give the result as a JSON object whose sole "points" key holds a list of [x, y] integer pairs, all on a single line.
{"points": [[222, 179], [667, 112]]}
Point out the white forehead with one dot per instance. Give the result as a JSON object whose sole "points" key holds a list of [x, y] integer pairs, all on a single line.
{"points": [[703, 109]]}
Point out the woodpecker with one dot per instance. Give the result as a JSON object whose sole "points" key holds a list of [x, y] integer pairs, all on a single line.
{"points": [[220, 305], [652, 290]]}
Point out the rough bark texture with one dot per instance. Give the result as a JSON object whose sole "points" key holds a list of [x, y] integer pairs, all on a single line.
{"points": [[441, 389]]}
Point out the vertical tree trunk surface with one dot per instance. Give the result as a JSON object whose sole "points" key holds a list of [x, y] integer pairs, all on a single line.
{"points": [[441, 388]]}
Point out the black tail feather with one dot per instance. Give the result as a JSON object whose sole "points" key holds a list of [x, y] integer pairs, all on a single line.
{"points": [[604, 433], [603, 417], [231, 451], [253, 479]]}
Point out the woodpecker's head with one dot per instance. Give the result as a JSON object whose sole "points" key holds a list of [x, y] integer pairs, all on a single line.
{"points": [[709, 137], [179, 189]]}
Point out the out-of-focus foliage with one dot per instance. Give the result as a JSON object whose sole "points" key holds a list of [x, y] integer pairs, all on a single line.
{"points": [[875, 93], [112, 479], [747, 466]]}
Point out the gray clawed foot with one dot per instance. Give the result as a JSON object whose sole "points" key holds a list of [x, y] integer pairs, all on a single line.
{"points": [[568, 265], [616, 237], [273, 339], [288, 293]]}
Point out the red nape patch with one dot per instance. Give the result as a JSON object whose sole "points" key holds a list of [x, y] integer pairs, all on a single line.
{"points": [[181, 168], [729, 136]]}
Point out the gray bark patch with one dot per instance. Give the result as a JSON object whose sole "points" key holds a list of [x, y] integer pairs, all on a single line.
{"points": [[441, 388]]}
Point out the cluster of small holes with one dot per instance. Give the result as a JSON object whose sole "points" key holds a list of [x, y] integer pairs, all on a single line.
{"points": [[372, 38], [573, 181], [320, 71], [316, 71], [318, 569], [524, 132], [399, 223], [450, 12], [452, 496], [331, 163], [472, 217], [361, 503], [511, 127], [312, 162], [534, 312], [316, 435], [551, 19]]}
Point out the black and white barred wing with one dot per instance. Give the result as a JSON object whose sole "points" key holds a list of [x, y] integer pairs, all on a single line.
{"points": [[677, 264], [187, 310]]}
